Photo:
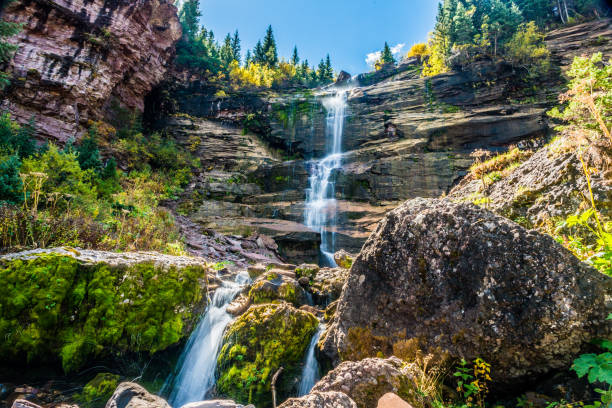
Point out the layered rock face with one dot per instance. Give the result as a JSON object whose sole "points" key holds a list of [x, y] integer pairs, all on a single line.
{"points": [[76, 57], [461, 280], [405, 136]]}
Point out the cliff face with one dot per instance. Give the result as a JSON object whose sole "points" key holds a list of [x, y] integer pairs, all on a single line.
{"points": [[405, 137], [76, 56]]}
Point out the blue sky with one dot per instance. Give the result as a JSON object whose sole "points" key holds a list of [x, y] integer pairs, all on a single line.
{"points": [[348, 30]]}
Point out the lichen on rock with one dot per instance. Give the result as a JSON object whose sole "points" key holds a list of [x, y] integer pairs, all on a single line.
{"points": [[256, 345]]}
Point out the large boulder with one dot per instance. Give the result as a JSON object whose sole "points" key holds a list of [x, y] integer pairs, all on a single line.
{"points": [[70, 307], [274, 286], [331, 399], [256, 345], [469, 283], [367, 380], [132, 395]]}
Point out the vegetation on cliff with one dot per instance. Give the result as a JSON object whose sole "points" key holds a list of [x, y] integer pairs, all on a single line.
{"points": [[256, 345], [56, 309], [262, 68]]}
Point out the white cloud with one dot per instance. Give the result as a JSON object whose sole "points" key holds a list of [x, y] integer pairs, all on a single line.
{"points": [[372, 57], [398, 48]]}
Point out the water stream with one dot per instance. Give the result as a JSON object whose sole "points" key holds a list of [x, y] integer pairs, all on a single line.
{"points": [[195, 377], [320, 211], [310, 374]]}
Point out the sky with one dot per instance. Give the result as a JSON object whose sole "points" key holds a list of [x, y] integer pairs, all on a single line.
{"points": [[349, 30]]}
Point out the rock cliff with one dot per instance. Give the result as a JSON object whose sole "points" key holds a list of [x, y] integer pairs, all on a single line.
{"points": [[405, 136], [77, 58]]}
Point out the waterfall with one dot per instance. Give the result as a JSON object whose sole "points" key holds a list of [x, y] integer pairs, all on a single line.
{"points": [[198, 362], [320, 211], [310, 374]]}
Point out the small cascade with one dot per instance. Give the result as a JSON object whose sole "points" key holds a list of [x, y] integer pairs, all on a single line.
{"points": [[310, 374], [196, 375], [320, 212]]}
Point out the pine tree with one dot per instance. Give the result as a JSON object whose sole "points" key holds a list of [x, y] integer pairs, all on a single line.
{"points": [[259, 56], [190, 16], [269, 48], [463, 25], [321, 71], [295, 59], [248, 58], [387, 56], [88, 152], [236, 47], [226, 53], [10, 183], [329, 70]]}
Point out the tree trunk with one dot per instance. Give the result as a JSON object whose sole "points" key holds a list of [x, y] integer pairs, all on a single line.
{"points": [[560, 11]]}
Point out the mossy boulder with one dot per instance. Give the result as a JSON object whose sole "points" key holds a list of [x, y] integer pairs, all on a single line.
{"points": [[274, 287], [57, 309], [98, 391], [256, 345], [307, 270]]}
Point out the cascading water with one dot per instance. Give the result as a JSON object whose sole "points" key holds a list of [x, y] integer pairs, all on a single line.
{"points": [[196, 376], [320, 212], [310, 373]]}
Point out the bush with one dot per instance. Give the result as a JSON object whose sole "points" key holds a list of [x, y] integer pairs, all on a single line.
{"points": [[419, 51], [11, 187], [527, 49]]}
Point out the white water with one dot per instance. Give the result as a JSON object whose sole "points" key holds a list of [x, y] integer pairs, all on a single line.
{"points": [[196, 376], [320, 212], [310, 374]]}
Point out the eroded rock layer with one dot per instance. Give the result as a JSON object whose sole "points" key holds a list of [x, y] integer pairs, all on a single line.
{"points": [[76, 57]]}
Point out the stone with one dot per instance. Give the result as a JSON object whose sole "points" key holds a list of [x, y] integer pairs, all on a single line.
{"points": [[513, 297], [75, 56], [132, 395], [308, 271], [330, 399], [367, 380], [275, 286], [21, 403], [239, 305], [327, 284], [343, 259], [216, 404], [390, 400], [256, 345], [343, 77]]}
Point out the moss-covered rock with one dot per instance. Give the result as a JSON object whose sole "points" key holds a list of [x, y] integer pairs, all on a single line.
{"points": [[307, 270], [58, 309], [261, 341], [98, 391], [273, 287]]}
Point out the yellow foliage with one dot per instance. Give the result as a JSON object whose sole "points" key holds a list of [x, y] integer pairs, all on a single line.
{"points": [[436, 64], [260, 75], [420, 51]]}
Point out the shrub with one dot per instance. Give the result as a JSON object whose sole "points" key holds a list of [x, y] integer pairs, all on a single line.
{"points": [[419, 51], [527, 49], [11, 187]]}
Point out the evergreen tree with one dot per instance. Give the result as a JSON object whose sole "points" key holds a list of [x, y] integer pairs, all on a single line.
{"points": [[248, 58], [259, 56], [226, 53], [88, 152], [295, 59], [11, 187], [269, 48], [329, 70], [386, 56], [321, 71], [189, 16], [236, 48], [463, 25]]}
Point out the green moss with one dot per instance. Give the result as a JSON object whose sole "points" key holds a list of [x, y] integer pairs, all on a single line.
{"points": [[98, 391], [56, 309], [262, 340]]}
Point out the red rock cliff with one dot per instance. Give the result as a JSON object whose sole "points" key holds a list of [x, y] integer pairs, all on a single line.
{"points": [[76, 56]]}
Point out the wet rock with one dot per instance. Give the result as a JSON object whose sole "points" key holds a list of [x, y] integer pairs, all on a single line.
{"points": [[367, 380], [256, 345], [308, 271], [216, 404], [343, 259], [391, 400], [465, 281], [132, 395], [239, 305], [304, 281], [273, 286], [330, 399]]}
